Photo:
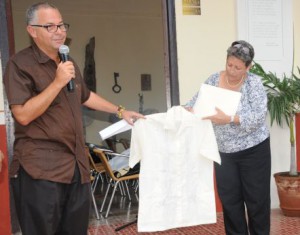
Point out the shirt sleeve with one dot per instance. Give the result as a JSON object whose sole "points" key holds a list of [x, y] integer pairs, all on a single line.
{"points": [[18, 84], [192, 101], [253, 105]]}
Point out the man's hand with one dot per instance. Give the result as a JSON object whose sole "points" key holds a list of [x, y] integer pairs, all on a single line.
{"points": [[131, 116], [64, 73]]}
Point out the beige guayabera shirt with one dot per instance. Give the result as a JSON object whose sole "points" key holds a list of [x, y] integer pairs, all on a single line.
{"points": [[177, 150]]}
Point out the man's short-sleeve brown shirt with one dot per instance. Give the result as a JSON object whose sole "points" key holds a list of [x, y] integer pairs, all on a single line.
{"points": [[48, 147]]}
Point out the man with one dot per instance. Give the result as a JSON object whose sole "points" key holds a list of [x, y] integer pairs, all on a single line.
{"points": [[50, 170]]}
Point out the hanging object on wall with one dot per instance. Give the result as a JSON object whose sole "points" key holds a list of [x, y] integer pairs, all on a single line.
{"points": [[146, 82], [141, 106], [141, 102], [89, 72], [116, 87]]}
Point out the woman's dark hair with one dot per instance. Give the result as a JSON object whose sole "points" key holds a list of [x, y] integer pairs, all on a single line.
{"points": [[241, 50]]}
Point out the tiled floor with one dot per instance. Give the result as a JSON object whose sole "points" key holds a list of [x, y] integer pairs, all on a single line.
{"points": [[123, 211]]}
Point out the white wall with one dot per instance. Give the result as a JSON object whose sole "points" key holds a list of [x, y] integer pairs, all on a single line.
{"points": [[296, 17], [129, 40], [202, 42]]}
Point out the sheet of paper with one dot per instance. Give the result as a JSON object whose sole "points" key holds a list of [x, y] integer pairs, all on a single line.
{"points": [[114, 129], [211, 97]]}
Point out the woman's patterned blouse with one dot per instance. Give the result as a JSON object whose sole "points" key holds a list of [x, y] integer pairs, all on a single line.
{"points": [[252, 111]]}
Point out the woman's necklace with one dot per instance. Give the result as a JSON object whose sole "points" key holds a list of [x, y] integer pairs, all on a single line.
{"points": [[235, 85]]}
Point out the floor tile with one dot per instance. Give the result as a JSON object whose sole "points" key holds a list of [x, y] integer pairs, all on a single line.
{"points": [[124, 211]]}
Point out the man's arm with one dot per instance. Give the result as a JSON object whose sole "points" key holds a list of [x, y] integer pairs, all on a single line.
{"points": [[37, 105], [98, 103]]}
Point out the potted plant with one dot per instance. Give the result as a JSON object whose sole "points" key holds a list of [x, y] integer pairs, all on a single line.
{"points": [[283, 104]]}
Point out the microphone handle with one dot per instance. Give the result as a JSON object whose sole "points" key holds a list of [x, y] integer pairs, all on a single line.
{"points": [[70, 85], [64, 57]]}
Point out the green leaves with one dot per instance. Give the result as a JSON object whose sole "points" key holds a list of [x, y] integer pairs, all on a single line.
{"points": [[283, 94], [283, 102]]}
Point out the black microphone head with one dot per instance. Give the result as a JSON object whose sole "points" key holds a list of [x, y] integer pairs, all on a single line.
{"points": [[63, 49]]}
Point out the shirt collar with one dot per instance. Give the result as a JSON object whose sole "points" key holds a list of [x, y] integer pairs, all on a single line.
{"points": [[40, 55]]}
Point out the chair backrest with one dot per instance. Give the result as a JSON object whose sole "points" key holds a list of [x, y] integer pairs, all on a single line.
{"points": [[108, 169], [87, 152], [113, 142], [99, 167], [104, 161], [125, 143]]}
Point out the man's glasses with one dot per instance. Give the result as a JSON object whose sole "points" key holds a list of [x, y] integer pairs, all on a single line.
{"points": [[52, 28]]}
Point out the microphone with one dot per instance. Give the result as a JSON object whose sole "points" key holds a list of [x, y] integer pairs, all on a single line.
{"points": [[64, 56]]}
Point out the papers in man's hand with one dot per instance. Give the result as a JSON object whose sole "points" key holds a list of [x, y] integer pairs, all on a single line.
{"points": [[114, 129], [211, 97]]}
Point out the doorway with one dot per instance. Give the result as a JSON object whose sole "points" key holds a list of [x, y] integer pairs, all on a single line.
{"points": [[134, 38], [131, 43]]}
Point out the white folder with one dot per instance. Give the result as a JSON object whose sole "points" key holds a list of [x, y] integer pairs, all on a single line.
{"points": [[211, 97]]}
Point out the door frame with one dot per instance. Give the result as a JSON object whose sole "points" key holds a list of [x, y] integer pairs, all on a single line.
{"points": [[170, 49], [7, 49]]}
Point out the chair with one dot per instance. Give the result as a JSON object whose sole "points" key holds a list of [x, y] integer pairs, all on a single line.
{"points": [[94, 200], [113, 142], [125, 143], [97, 168], [113, 179]]}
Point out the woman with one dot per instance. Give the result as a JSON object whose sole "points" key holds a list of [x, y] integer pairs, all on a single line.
{"points": [[243, 178]]}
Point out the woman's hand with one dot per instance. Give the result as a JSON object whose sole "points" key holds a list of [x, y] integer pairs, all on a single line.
{"points": [[220, 118], [190, 109]]}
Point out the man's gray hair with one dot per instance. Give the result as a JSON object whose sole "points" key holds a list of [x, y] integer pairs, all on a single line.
{"points": [[31, 16]]}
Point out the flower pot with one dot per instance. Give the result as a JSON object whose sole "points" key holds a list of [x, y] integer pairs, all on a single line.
{"points": [[288, 188]]}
